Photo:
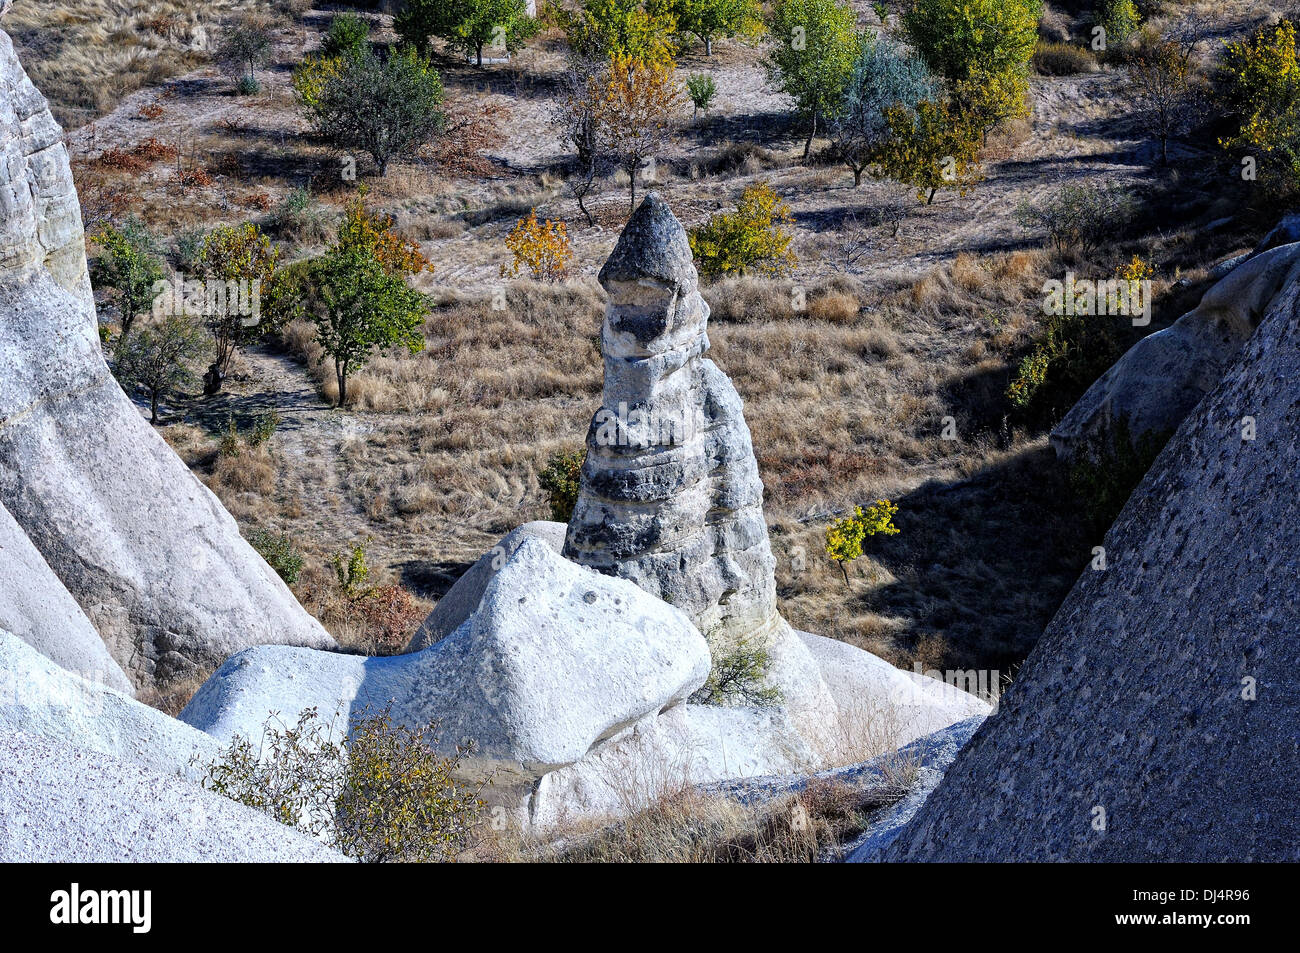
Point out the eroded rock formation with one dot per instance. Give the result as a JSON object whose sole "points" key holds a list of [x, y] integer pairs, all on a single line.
{"points": [[1161, 379], [154, 561], [670, 495], [1156, 718]]}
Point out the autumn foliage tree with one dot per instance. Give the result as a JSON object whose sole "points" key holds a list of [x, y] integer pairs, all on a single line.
{"points": [[638, 106], [844, 537], [541, 247], [637, 30], [1260, 86], [237, 253]]}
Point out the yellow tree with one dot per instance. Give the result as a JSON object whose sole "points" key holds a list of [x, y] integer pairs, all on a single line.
{"points": [[640, 104], [541, 247], [844, 537]]}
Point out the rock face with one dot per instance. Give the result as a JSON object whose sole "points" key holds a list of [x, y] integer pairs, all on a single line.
{"points": [[153, 560], [35, 607], [1156, 719], [462, 600], [556, 659], [670, 495], [40, 698], [1162, 377], [67, 805]]}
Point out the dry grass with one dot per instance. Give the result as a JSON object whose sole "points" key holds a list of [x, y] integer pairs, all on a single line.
{"points": [[85, 55]]}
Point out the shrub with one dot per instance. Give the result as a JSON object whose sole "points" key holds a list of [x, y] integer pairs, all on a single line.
{"points": [[230, 444], [379, 795], [280, 554], [1260, 85], [701, 88], [264, 427], [754, 237], [310, 77], [390, 616], [352, 571], [1120, 20], [739, 677], [349, 35], [1062, 59], [248, 86], [541, 247], [845, 536], [561, 479], [1072, 352], [1079, 216]]}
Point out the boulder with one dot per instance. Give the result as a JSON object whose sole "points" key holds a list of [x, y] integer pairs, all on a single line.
{"points": [[670, 496], [1156, 718], [40, 698], [556, 659], [35, 607], [156, 564], [1161, 378], [68, 805], [460, 601]]}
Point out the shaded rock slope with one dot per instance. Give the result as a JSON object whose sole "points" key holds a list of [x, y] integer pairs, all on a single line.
{"points": [[147, 551], [1157, 719]]}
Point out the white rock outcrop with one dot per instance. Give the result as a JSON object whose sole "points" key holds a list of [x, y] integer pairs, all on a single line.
{"points": [[462, 599], [40, 698], [35, 607], [556, 659], [147, 551], [70, 805]]}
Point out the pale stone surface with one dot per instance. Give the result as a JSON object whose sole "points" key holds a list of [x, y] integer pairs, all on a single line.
{"points": [[68, 805], [1162, 377], [147, 551], [556, 659], [40, 698], [35, 607], [1163, 693], [670, 495], [462, 599]]}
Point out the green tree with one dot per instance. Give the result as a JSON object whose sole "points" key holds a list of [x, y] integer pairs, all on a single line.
{"points": [[349, 35], [386, 108], [958, 38], [815, 42], [364, 308], [158, 358], [709, 19], [1120, 19], [129, 264], [467, 25], [754, 237], [884, 75], [931, 147]]}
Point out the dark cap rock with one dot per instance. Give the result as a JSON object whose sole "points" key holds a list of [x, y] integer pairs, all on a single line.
{"points": [[653, 245]]}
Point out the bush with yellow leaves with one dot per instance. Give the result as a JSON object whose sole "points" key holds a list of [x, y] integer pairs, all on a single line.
{"points": [[541, 247], [753, 238], [844, 537]]}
